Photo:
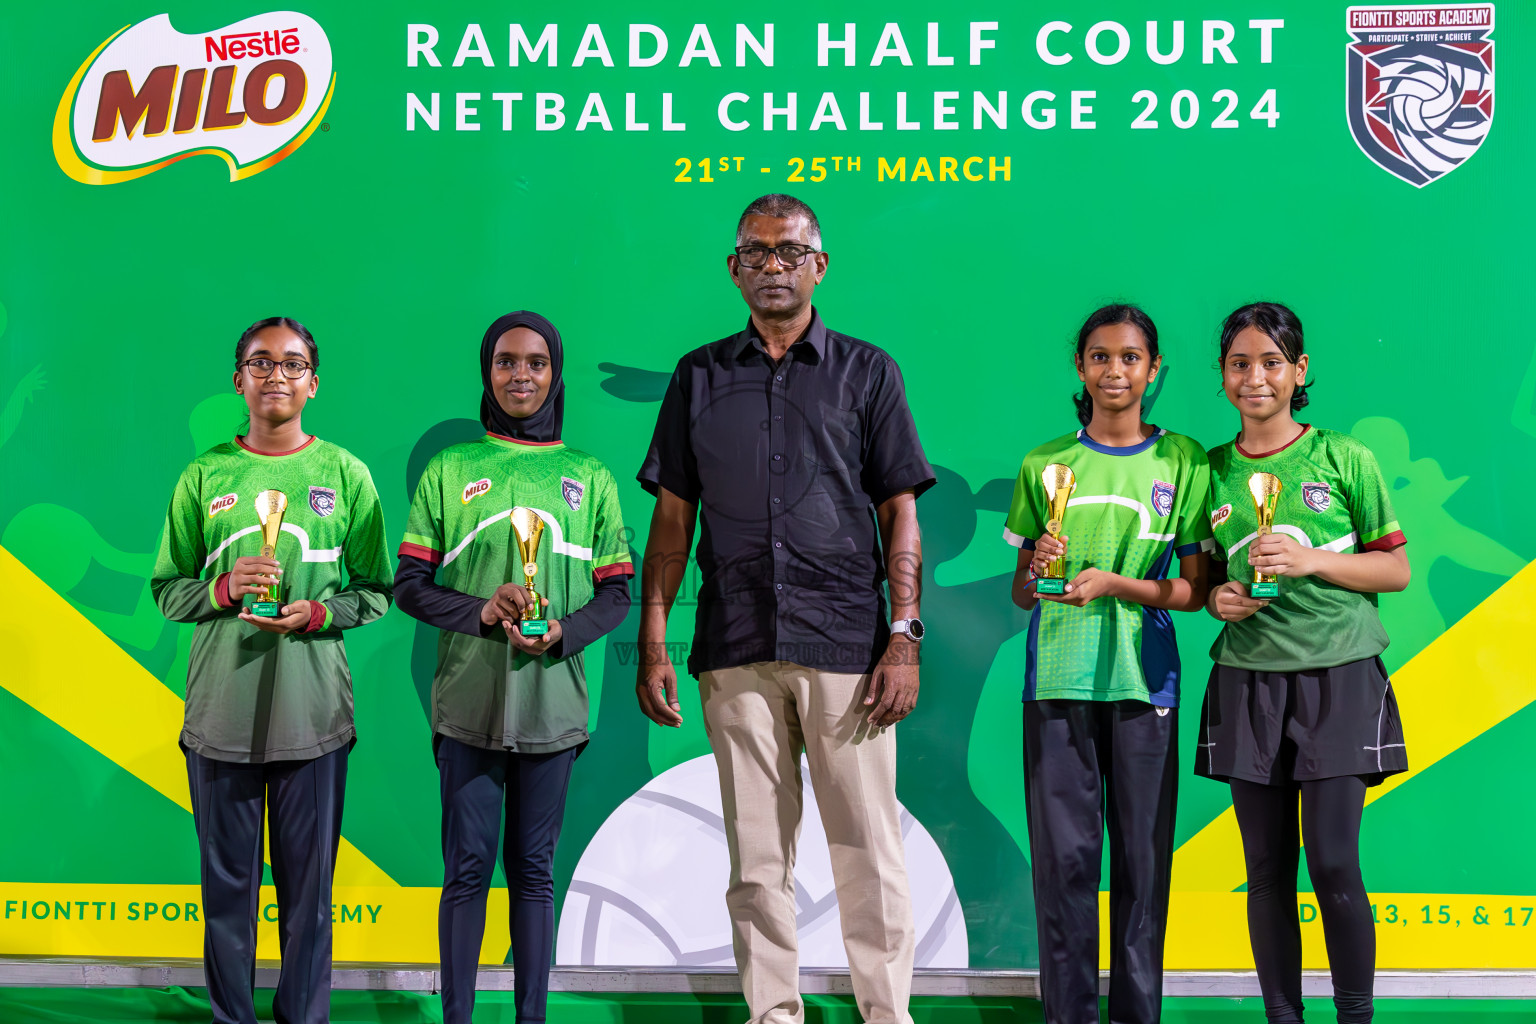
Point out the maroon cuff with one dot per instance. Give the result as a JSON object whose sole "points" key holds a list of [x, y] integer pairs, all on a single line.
{"points": [[316, 617], [221, 591]]}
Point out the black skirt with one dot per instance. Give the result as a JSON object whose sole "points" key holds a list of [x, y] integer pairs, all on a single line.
{"points": [[1275, 728]]}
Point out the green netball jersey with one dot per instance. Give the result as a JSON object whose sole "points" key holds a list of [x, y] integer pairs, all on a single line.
{"points": [[1333, 496], [486, 692], [254, 696], [1135, 509]]}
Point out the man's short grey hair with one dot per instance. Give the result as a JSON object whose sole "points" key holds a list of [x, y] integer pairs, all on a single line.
{"points": [[779, 205]]}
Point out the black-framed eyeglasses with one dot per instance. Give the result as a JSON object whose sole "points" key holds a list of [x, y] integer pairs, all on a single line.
{"points": [[789, 256], [293, 369]]}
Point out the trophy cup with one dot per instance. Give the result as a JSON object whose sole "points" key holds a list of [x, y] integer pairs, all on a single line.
{"points": [[270, 506], [527, 528], [1059, 485], [1265, 489]]}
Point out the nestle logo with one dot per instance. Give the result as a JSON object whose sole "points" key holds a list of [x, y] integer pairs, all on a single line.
{"points": [[239, 45]]}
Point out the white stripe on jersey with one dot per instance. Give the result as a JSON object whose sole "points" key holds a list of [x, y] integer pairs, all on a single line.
{"points": [[1343, 543], [310, 554], [1130, 503], [1017, 540], [557, 542]]}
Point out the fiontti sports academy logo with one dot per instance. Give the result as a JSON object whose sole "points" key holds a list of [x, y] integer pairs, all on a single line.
{"points": [[250, 93], [1420, 86]]}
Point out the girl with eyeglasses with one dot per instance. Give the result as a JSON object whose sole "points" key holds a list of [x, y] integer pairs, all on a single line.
{"points": [[269, 696]]}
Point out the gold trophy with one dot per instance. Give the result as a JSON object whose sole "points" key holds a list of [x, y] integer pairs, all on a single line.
{"points": [[270, 506], [1265, 489], [527, 528], [1059, 485]]}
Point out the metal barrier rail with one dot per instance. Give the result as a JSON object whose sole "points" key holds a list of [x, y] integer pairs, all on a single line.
{"points": [[88, 972]]}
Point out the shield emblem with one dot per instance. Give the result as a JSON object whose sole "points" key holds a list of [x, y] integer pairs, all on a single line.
{"points": [[1162, 497], [1419, 86], [322, 500], [1317, 496], [571, 491]]}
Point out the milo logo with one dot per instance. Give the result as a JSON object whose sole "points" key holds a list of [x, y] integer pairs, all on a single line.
{"points": [[218, 505], [249, 93], [475, 489]]}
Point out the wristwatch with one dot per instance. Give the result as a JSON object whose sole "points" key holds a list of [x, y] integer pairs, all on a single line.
{"points": [[912, 629]]}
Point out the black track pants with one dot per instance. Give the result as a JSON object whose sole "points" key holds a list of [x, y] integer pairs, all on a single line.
{"points": [[230, 802], [1088, 766]]}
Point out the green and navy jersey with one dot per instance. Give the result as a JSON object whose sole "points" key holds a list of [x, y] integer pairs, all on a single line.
{"points": [[1134, 510], [254, 696], [486, 692], [1332, 496]]}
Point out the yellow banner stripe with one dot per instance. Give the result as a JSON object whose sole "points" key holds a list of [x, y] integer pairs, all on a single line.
{"points": [[72, 673], [393, 924]]}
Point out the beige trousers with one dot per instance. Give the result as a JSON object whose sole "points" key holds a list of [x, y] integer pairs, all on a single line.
{"points": [[759, 717]]}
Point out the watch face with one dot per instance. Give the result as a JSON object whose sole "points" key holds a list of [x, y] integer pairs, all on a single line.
{"points": [[915, 628]]}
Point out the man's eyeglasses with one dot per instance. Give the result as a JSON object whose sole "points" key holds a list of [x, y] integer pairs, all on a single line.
{"points": [[293, 369], [789, 256]]}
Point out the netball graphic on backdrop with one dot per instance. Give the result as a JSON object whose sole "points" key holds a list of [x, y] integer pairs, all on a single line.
{"points": [[250, 93], [1420, 86]]}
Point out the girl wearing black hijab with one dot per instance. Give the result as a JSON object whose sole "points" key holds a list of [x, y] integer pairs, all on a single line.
{"points": [[509, 708]]}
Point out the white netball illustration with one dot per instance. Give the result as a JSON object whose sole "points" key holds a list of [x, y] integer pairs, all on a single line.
{"points": [[649, 889]]}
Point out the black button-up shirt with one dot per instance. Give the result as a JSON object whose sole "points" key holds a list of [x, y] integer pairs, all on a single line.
{"points": [[786, 464]]}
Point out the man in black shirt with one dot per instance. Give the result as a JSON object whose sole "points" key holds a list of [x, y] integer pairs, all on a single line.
{"points": [[793, 447]]}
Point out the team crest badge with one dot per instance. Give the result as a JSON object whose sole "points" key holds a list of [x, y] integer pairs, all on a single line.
{"points": [[1220, 515], [1162, 497], [322, 500], [571, 491], [1317, 496], [1420, 86]]}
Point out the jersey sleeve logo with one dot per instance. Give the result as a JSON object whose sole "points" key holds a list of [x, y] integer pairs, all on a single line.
{"points": [[474, 490], [322, 500], [218, 505], [572, 492], [1162, 497], [1220, 515], [1317, 496]]}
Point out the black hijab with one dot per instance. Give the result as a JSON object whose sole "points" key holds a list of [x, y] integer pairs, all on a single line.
{"points": [[544, 425]]}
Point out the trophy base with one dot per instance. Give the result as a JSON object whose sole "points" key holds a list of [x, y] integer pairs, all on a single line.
{"points": [[1267, 589], [267, 609], [533, 627], [1050, 585]]}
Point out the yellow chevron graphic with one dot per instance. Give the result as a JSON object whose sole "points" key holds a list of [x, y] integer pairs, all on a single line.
{"points": [[1475, 675], [66, 668]]}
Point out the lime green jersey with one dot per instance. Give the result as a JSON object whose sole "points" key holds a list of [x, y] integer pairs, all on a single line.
{"points": [[1134, 510], [1332, 496], [486, 692], [254, 696]]}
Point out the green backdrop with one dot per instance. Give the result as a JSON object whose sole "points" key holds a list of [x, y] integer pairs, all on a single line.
{"points": [[120, 303]]}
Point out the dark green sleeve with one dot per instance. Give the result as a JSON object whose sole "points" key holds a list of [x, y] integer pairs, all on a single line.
{"points": [[178, 584], [369, 586]]}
